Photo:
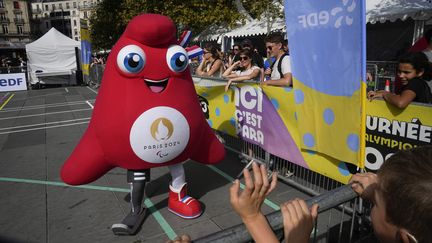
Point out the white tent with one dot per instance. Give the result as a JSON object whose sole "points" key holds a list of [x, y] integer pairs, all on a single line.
{"points": [[52, 55], [392, 10]]}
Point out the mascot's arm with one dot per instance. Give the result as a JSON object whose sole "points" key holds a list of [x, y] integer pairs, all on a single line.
{"points": [[211, 150], [86, 163]]}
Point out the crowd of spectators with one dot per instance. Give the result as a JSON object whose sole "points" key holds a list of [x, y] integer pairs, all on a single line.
{"points": [[244, 63]]}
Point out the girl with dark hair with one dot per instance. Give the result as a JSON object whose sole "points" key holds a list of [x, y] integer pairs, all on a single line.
{"points": [[211, 65], [414, 70], [248, 69]]}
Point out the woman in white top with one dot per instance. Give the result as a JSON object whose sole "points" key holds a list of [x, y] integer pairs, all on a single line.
{"points": [[211, 65], [248, 70]]}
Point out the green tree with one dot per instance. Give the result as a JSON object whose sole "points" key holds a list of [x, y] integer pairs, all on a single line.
{"points": [[266, 10], [105, 24], [110, 17]]}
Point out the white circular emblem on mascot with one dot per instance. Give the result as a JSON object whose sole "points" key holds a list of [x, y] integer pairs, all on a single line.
{"points": [[159, 134]]}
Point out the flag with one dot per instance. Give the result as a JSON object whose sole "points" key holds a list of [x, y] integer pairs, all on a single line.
{"points": [[185, 38], [194, 51]]}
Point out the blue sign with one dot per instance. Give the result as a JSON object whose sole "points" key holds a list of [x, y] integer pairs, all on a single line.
{"points": [[326, 43]]}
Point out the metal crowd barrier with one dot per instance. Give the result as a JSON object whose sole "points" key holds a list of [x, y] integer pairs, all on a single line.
{"points": [[95, 75], [335, 225], [340, 220], [239, 233]]}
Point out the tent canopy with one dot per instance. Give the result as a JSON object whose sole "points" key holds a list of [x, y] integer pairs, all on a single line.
{"points": [[392, 10], [52, 53], [376, 11]]}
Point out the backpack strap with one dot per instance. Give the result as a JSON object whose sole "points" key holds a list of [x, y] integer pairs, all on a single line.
{"points": [[279, 67]]}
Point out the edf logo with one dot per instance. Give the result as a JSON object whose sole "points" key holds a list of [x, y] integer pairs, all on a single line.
{"points": [[323, 17], [10, 82], [13, 82]]}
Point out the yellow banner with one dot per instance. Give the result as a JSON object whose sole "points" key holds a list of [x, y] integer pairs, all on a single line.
{"points": [[221, 110]]}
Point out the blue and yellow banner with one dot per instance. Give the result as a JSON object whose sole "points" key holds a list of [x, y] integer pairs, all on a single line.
{"points": [[327, 43], [268, 117], [86, 51]]}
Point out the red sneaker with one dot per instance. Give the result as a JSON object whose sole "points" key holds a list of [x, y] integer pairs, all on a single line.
{"points": [[183, 205]]}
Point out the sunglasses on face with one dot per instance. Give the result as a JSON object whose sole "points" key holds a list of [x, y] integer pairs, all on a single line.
{"points": [[244, 58], [235, 49], [269, 48]]}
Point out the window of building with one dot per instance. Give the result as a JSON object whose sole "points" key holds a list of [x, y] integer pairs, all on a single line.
{"points": [[19, 16], [1, 4], [20, 29], [76, 38], [47, 24], [16, 5], [5, 29], [75, 22], [60, 5], [85, 15], [53, 6], [46, 7], [67, 6], [85, 3], [76, 32], [73, 13], [74, 4], [38, 7], [2, 16]]}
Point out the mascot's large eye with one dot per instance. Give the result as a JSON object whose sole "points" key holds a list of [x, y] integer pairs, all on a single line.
{"points": [[131, 59], [177, 59]]}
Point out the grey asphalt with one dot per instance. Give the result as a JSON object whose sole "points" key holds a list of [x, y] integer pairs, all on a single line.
{"points": [[38, 131]]}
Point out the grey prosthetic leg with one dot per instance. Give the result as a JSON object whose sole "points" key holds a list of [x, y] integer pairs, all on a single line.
{"points": [[132, 221]]}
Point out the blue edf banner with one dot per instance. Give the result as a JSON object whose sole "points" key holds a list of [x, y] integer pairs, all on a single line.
{"points": [[326, 41]]}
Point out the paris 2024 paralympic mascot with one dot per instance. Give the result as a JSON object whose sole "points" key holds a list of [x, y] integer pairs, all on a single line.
{"points": [[158, 122]]}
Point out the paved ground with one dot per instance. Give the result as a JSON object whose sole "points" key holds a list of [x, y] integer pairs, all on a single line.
{"points": [[38, 131]]}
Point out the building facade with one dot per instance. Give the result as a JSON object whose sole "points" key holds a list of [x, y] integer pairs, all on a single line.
{"points": [[66, 16], [15, 25]]}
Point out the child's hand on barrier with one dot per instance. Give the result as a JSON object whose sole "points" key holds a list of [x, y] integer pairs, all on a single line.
{"points": [[298, 220], [376, 94], [248, 202], [364, 184]]}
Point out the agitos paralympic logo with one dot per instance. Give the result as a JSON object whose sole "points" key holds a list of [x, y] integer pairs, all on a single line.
{"points": [[324, 17]]}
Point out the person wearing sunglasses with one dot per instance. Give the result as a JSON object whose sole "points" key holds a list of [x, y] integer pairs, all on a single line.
{"points": [[211, 65], [248, 70], [280, 70], [235, 55], [256, 57]]}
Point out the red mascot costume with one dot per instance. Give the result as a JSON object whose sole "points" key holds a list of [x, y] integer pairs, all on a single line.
{"points": [[159, 121]]}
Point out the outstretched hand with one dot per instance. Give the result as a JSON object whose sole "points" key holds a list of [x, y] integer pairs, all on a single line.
{"points": [[298, 220], [248, 202]]}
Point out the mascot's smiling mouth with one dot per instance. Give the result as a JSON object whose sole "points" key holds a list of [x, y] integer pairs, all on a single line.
{"points": [[156, 86]]}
